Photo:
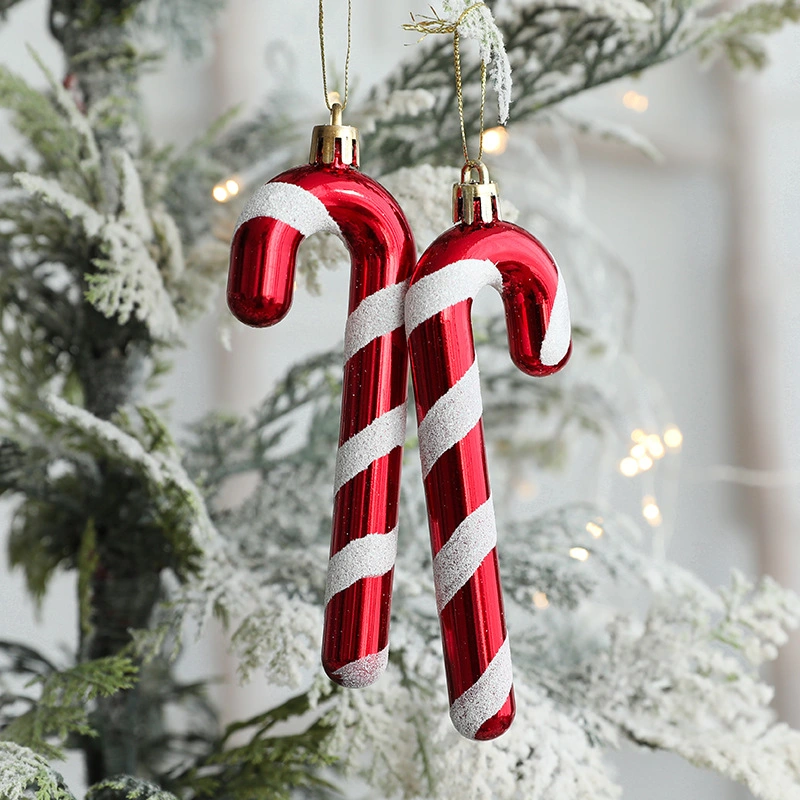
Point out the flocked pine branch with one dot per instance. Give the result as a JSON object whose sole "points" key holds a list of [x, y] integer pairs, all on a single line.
{"points": [[559, 49]]}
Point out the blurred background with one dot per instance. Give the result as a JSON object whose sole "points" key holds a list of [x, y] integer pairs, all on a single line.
{"points": [[711, 237]]}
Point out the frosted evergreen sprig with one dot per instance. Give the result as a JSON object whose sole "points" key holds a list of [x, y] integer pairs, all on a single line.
{"points": [[127, 788], [557, 50], [64, 705], [25, 775], [474, 21]]}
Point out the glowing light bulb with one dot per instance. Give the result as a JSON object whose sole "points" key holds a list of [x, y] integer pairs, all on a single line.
{"points": [[579, 553], [638, 435], [628, 467], [673, 438], [638, 450], [220, 194], [650, 511], [635, 101], [495, 140], [232, 186], [645, 463], [655, 446], [540, 600], [595, 529]]}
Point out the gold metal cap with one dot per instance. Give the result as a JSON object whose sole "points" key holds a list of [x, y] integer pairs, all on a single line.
{"points": [[469, 193], [325, 138]]}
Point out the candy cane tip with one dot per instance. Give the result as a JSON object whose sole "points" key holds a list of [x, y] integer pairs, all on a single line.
{"points": [[255, 311], [361, 673], [496, 726], [484, 731], [557, 343]]}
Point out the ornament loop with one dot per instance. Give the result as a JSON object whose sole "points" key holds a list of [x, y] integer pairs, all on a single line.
{"points": [[329, 102], [475, 166], [475, 200]]}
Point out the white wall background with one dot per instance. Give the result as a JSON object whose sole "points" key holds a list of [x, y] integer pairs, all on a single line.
{"points": [[719, 215]]}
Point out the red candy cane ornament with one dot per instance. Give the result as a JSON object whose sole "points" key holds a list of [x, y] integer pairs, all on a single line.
{"points": [[479, 251], [330, 194]]}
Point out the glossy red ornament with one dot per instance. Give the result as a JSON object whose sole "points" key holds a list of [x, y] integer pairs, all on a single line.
{"points": [[480, 250], [330, 194]]}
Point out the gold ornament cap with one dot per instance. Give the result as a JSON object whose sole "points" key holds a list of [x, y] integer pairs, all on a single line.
{"points": [[475, 199], [327, 139]]}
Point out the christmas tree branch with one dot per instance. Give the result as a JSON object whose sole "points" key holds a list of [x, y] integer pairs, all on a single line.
{"points": [[558, 51]]}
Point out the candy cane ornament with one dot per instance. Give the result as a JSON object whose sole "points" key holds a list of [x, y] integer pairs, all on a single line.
{"points": [[331, 194], [481, 250]]}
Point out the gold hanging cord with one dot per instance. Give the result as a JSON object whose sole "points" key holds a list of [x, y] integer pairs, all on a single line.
{"points": [[427, 25], [343, 104]]}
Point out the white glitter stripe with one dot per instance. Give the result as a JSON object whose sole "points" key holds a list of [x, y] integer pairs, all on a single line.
{"points": [[485, 697], [450, 418], [378, 439], [375, 316], [289, 204], [464, 552], [365, 671], [452, 284], [559, 330], [370, 556]]}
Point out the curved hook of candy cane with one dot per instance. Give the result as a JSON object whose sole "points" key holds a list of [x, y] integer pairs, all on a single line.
{"points": [[452, 451], [526, 276], [297, 204], [261, 278]]}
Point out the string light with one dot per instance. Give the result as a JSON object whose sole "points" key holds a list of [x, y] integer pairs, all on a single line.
{"points": [[629, 467], [495, 140], [579, 553], [540, 600], [595, 529], [225, 190], [673, 438], [647, 449], [638, 451], [650, 511], [655, 446], [635, 101], [220, 194]]}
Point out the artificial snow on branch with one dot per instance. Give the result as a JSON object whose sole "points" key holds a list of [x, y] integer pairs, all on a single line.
{"points": [[475, 21]]}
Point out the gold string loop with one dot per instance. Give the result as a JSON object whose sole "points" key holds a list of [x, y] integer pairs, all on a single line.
{"points": [[435, 25], [343, 103]]}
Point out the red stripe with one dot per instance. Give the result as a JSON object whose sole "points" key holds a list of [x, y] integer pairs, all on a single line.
{"points": [[472, 629], [457, 485], [375, 381], [368, 503], [440, 354], [350, 629]]}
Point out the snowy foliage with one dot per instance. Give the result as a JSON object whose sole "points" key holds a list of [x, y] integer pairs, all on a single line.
{"points": [[24, 775], [276, 635], [129, 282], [479, 25]]}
